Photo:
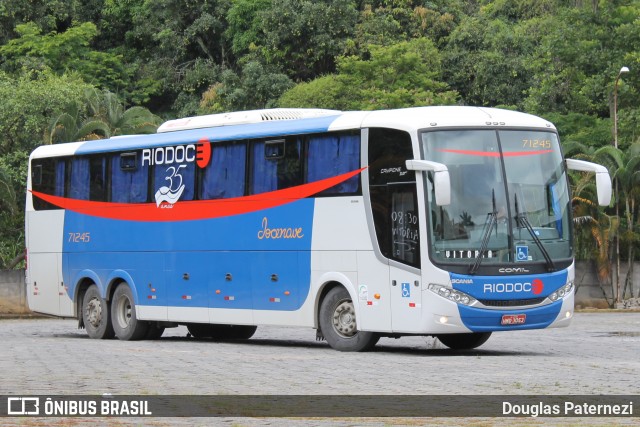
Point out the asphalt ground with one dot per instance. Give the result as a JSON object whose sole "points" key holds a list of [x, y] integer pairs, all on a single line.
{"points": [[599, 354]]}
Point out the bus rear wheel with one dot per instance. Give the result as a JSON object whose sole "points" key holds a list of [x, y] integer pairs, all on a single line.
{"points": [[95, 314], [126, 325], [464, 341], [221, 332], [338, 325]]}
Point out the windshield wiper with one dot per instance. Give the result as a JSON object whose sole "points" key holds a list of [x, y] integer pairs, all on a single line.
{"points": [[521, 219], [489, 224]]}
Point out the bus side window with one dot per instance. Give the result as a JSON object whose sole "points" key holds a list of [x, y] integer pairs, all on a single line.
{"points": [[224, 177], [129, 179], [273, 170], [331, 155], [61, 178], [89, 178], [44, 178], [98, 178], [79, 186]]}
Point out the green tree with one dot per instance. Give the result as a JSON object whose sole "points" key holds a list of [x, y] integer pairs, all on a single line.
{"points": [[11, 217], [190, 88], [63, 52], [388, 22], [50, 15], [578, 57], [176, 49], [29, 101], [586, 129], [487, 60], [604, 228], [255, 87], [245, 24], [303, 37], [595, 231], [100, 115], [27, 104], [403, 75], [627, 177]]}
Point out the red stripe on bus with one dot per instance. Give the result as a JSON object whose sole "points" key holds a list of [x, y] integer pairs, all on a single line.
{"points": [[195, 209]]}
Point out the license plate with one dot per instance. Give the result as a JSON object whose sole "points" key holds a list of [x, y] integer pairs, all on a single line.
{"points": [[513, 319]]}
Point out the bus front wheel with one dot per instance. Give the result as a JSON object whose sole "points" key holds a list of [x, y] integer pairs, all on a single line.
{"points": [[95, 314], [126, 325], [464, 341], [338, 323]]}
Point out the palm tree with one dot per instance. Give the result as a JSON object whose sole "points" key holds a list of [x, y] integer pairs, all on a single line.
{"points": [[101, 116], [594, 225], [106, 107], [624, 167], [70, 125], [628, 178], [589, 218]]}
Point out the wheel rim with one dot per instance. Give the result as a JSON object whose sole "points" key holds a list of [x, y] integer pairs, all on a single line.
{"points": [[344, 319], [123, 311], [94, 312]]}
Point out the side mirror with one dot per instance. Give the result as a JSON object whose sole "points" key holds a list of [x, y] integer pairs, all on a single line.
{"points": [[603, 180], [441, 181]]}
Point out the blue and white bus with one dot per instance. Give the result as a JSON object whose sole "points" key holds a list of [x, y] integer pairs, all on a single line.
{"points": [[453, 222]]}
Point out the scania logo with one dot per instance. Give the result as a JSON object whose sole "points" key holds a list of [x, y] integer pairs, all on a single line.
{"points": [[513, 270]]}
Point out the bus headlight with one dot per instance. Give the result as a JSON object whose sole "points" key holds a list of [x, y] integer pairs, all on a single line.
{"points": [[451, 294], [560, 293]]}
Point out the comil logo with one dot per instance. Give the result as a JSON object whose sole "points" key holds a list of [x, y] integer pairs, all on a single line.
{"points": [[176, 158]]}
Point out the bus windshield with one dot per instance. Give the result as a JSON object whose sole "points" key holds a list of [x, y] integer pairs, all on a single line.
{"points": [[509, 197]]}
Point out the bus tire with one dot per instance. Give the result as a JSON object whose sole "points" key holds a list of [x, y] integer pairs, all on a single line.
{"points": [[337, 320], [95, 314], [126, 325], [464, 341]]}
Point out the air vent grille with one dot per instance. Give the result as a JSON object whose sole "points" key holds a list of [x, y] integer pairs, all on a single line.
{"points": [[244, 117]]}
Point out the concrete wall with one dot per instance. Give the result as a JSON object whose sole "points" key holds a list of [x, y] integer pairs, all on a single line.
{"points": [[13, 294], [588, 291]]}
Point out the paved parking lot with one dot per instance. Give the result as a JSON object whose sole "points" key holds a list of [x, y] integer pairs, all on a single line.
{"points": [[598, 354]]}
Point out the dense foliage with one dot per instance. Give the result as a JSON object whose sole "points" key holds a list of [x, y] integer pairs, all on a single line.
{"points": [[170, 58]]}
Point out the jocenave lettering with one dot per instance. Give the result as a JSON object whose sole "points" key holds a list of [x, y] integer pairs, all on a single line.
{"points": [[279, 233]]}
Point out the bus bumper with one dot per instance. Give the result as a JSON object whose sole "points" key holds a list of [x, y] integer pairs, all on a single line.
{"points": [[447, 317]]}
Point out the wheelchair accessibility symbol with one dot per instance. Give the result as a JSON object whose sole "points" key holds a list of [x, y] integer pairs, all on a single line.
{"points": [[406, 290], [522, 253]]}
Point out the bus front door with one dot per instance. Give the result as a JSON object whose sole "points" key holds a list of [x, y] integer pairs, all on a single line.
{"points": [[406, 300]]}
